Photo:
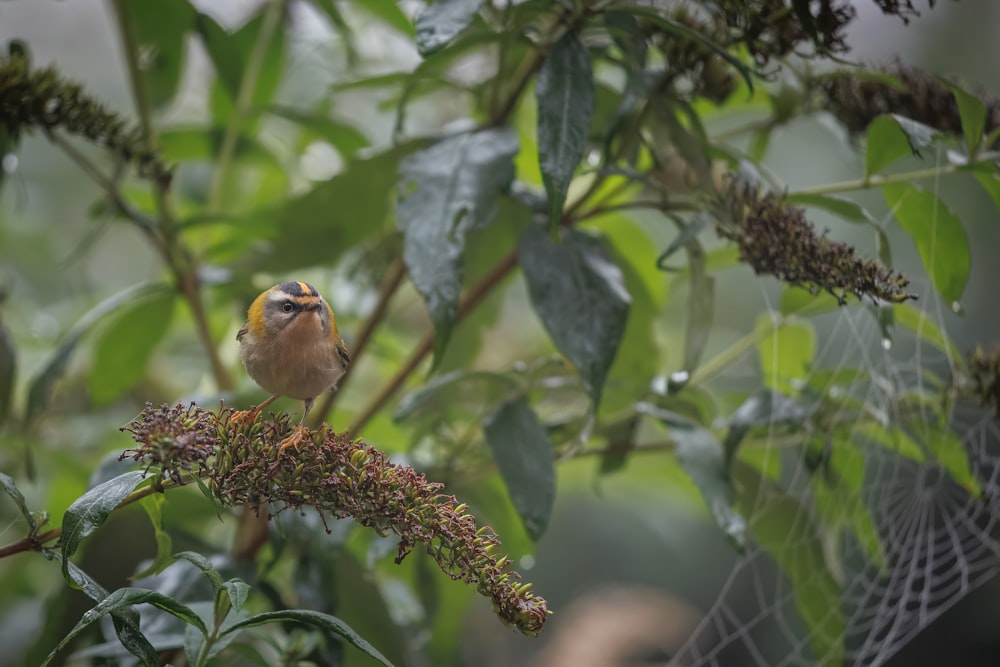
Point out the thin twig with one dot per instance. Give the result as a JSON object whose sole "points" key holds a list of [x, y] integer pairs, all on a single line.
{"points": [[472, 299], [390, 284]]}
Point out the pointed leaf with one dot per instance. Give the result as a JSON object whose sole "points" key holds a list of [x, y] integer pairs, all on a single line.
{"points": [[164, 545], [566, 101], [939, 235], [783, 528], [345, 138], [10, 488], [922, 324], [972, 111], [704, 460], [90, 511], [326, 622], [230, 52], [41, 385], [786, 355], [700, 306], [893, 137], [124, 346], [843, 208], [441, 22], [161, 28], [523, 453], [125, 620], [580, 296], [124, 598], [444, 191]]}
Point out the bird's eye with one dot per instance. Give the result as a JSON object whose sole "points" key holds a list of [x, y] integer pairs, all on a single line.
{"points": [[288, 306]]}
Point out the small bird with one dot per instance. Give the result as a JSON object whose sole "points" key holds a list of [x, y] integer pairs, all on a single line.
{"points": [[291, 347]]}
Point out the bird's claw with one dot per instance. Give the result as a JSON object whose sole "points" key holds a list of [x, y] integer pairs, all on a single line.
{"points": [[293, 440]]}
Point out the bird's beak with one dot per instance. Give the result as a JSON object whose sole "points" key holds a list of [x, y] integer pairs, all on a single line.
{"points": [[311, 306]]}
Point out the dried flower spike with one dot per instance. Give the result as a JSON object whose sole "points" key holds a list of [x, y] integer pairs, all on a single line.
{"points": [[775, 238], [173, 439]]}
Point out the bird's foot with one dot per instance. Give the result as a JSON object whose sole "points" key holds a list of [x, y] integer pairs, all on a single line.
{"points": [[241, 418], [293, 441]]}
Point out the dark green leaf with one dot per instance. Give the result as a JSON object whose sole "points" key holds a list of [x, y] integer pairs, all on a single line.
{"points": [[336, 215], [8, 372], [161, 28], [786, 354], [440, 22], [973, 114], [685, 32], [206, 567], [238, 592], [326, 622], [445, 389], [124, 598], [230, 52], [764, 409], [345, 138], [784, 530], [126, 343], [91, 509], [10, 488], [689, 232], [125, 619], [842, 208], [444, 191], [580, 296], [523, 453], [41, 385], [566, 99], [938, 234], [703, 459]]}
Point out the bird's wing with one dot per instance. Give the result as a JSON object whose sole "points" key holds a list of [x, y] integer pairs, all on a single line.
{"points": [[342, 352]]}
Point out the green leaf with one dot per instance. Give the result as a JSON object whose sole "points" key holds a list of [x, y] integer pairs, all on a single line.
{"points": [[991, 183], [204, 144], [919, 322], [800, 301], [484, 387], [8, 372], [886, 143], [10, 488], [786, 354], [325, 622], [230, 52], [837, 493], [161, 28], [335, 216], [566, 100], [205, 565], [784, 530], [125, 620], [90, 511], [124, 598], [445, 191], [766, 408], [126, 343], [388, 13], [704, 460], [523, 453], [441, 22], [972, 111], [949, 451], [938, 234], [345, 138], [580, 296], [700, 306], [843, 208], [164, 545], [41, 385], [888, 437]]}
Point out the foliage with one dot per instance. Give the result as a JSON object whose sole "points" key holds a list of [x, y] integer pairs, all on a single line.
{"points": [[535, 153]]}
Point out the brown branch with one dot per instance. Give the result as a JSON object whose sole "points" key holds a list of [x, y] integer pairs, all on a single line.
{"points": [[472, 299], [390, 284]]}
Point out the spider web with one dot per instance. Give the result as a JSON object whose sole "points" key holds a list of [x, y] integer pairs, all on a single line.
{"points": [[933, 534]]}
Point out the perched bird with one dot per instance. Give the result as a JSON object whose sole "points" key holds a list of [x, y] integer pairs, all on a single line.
{"points": [[291, 347]]}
